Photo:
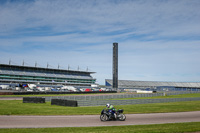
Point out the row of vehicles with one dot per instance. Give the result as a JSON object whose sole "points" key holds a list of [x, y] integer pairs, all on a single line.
{"points": [[37, 88], [65, 89]]}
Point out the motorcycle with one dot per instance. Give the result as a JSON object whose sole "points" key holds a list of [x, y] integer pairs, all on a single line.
{"points": [[107, 115]]}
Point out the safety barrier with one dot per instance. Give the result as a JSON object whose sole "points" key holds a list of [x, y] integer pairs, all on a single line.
{"points": [[33, 100], [63, 102]]}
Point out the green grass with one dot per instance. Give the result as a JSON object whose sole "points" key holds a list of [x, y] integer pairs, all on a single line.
{"points": [[156, 128], [16, 107]]}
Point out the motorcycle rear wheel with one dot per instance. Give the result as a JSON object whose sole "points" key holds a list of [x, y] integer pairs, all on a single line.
{"points": [[103, 117]]}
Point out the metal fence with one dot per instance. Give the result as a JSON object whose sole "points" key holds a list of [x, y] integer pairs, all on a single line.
{"points": [[103, 97], [101, 100], [115, 96], [134, 101]]}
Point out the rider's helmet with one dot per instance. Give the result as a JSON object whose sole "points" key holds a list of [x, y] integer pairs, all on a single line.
{"points": [[108, 105]]}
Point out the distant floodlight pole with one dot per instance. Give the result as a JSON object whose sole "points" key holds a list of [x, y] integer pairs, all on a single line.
{"points": [[23, 63], [10, 62], [115, 66], [36, 64], [68, 67]]}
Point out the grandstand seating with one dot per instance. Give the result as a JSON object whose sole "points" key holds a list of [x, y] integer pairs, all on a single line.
{"points": [[43, 75], [7, 72]]}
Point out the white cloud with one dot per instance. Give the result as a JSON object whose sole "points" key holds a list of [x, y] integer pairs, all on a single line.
{"points": [[157, 39]]}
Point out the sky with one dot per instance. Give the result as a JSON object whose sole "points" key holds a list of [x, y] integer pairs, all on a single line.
{"points": [[158, 40]]}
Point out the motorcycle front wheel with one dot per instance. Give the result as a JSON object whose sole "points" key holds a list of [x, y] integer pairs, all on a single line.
{"points": [[103, 117], [122, 117]]}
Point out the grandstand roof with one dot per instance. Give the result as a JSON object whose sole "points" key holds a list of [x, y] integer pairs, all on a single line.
{"points": [[132, 83], [5, 66]]}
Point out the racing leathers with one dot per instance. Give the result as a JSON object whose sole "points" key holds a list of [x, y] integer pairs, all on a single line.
{"points": [[113, 110]]}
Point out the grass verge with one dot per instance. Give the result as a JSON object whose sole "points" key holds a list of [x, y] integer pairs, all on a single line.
{"points": [[155, 128], [16, 107]]}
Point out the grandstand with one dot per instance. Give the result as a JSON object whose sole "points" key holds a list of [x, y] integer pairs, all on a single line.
{"points": [[19, 75], [155, 85]]}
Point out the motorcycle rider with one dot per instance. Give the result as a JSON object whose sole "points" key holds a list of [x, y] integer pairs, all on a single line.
{"points": [[111, 107]]}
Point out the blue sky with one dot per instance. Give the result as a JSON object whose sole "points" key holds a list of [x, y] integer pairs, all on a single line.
{"points": [[159, 40]]}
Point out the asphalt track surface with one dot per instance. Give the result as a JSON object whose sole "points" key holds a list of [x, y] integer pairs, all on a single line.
{"points": [[93, 120]]}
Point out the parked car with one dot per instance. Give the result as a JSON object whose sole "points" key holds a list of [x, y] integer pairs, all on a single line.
{"points": [[54, 89], [29, 90], [88, 90]]}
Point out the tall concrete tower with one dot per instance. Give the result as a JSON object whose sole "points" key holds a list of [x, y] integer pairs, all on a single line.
{"points": [[115, 66]]}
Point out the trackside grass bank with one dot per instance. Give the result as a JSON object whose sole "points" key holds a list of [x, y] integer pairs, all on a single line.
{"points": [[158, 128], [16, 107]]}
